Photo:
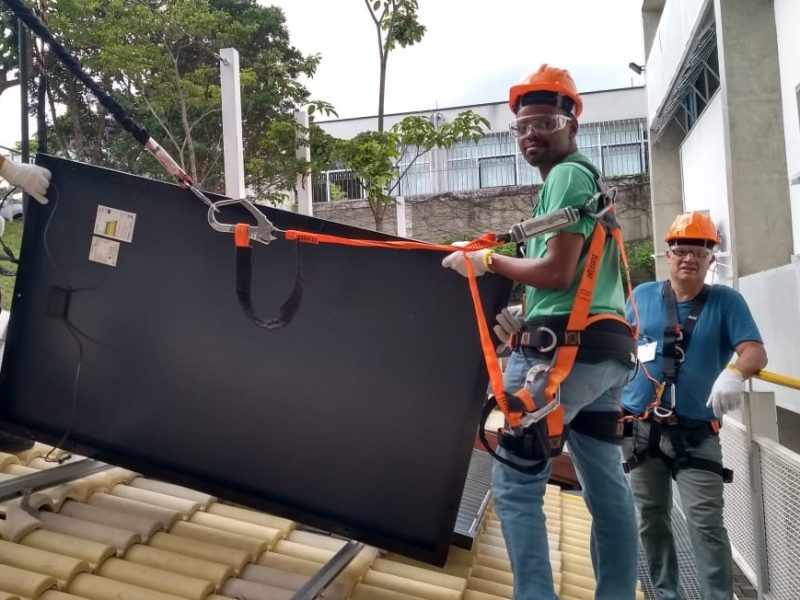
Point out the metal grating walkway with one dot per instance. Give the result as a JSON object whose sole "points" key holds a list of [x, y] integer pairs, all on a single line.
{"points": [[475, 498], [690, 586]]}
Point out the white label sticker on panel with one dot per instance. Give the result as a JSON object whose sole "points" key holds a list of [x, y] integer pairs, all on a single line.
{"points": [[104, 251], [114, 223]]}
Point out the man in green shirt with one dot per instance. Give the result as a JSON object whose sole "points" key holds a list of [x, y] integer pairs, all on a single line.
{"points": [[546, 105]]}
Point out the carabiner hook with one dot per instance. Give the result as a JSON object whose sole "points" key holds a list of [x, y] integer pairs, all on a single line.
{"points": [[260, 232]]}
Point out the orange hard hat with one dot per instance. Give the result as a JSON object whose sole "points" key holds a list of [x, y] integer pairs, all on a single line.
{"points": [[693, 226], [546, 79]]}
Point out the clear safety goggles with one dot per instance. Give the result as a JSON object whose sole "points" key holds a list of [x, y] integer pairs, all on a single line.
{"points": [[698, 252], [541, 124]]}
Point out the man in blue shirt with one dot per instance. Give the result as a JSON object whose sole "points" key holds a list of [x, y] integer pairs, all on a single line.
{"points": [[688, 333]]}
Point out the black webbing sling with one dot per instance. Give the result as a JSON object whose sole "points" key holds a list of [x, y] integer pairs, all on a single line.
{"points": [[676, 337]]}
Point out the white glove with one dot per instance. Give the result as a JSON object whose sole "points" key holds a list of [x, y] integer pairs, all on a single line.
{"points": [[509, 322], [727, 392], [455, 260], [33, 179]]}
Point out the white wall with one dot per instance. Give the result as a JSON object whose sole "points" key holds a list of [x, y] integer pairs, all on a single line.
{"points": [[787, 21], [704, 178], [608, 105], [774, 298], [679, 19]]}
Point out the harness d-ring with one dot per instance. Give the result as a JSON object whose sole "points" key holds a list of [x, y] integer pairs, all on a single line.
{"points": [[553, 337], [662, 412]]}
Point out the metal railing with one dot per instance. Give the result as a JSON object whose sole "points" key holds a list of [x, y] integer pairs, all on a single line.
{"points": [[761, 504], [617, 147]]}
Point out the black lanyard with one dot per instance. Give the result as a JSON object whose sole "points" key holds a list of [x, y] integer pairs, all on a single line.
{"points": [[676, 337]]}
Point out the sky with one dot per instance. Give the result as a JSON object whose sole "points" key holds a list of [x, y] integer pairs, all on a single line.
{"points": [[472, 52]]}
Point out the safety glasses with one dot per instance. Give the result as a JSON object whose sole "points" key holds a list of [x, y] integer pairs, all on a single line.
{"points": [[699, 252], [541, 124]]}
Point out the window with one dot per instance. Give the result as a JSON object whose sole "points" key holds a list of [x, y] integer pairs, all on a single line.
{"points": [[462, 175], [497, 171]]}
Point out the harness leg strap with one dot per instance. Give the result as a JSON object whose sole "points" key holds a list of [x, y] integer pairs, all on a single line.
{"points": [[605, 426]]}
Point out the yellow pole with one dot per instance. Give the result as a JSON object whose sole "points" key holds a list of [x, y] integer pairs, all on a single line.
{"points": [[784, 380]]}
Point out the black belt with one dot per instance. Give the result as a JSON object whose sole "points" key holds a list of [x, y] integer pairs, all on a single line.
{"points": [[604, 339]]}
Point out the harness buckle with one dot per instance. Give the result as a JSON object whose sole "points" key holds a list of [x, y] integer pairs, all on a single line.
{"points": [[524, 338], [572, 338]]}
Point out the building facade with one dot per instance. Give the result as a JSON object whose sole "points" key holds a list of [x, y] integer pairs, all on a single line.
{"points": [[723, 97], [612, 133], [722, 108]]}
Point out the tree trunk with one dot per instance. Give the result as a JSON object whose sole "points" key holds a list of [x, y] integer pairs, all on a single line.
{"points": [[378, 209], [187, 128], [382, 89]]}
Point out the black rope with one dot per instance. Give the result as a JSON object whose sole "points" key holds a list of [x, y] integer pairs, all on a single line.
{"points": [[121, 115]]}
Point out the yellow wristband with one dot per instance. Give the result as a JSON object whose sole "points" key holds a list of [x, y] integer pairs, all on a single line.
{"points": [[732, 367], [487, 260]]}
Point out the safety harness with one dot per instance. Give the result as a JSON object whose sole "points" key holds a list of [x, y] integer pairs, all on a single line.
{"points": [[535, 428], [683, 433]]}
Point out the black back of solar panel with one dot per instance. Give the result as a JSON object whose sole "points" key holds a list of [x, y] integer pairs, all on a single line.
{"points": [[358, 417]]}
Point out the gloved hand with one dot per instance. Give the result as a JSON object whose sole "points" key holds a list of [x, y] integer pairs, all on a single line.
{"points": [[478, 258], [509, 321], [33, 179], [727, 392]]}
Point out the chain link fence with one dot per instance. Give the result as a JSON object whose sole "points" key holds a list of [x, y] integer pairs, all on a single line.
{"points": [[761, 510]]}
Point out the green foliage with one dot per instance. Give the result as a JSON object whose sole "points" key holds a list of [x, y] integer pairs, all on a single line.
{"points": [[375, 156], [640, 260], [13, 238], [159, 60], [396, 23], [336, 192], [9, 46]]}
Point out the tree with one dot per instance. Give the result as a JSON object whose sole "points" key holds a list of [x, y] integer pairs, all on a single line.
{"points": [[159, 60], [375, 156], [9, 51], [396, 24]]}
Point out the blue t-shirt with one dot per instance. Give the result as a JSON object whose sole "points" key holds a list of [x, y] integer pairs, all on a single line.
{"points": [[724, 323]]}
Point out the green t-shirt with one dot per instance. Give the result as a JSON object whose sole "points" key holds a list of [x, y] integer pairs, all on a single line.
{"points": [[571, 185]]}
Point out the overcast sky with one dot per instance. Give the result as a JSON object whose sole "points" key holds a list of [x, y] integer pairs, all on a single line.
{"points": [[472, 52]]}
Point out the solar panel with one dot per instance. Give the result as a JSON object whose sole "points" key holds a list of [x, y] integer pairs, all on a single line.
{"points": [[126, 339]]}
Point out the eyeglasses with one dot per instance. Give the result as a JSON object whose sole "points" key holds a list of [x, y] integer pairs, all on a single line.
{"points": [[541, 124], [698, 252]]}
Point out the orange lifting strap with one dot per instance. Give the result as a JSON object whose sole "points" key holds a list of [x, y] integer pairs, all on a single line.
{"points": [[578, 321]]}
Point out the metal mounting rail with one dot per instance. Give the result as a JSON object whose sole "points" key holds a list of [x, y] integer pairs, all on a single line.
{"points": [[315, 587], [24, 484]]}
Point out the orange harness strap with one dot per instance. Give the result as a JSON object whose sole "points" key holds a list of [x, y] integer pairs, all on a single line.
{"points": [[579, 320]]}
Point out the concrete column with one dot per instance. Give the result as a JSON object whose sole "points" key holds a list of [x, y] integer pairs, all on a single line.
{"points": [[305, 201], [400, 205], [651, 15], [233, 144], [666, 189], [758, 197]]}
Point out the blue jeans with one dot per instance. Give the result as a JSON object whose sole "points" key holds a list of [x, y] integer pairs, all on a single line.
{"points": [[519, 497]]}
